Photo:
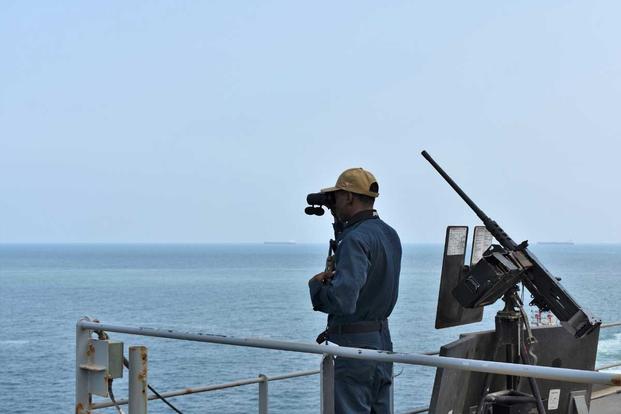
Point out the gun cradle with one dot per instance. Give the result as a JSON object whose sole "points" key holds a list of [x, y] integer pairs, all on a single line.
{"points": [[500, 269], [496, 273]]}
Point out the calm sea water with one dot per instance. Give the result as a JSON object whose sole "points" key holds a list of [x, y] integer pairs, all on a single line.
{"points": [[239, 290]]}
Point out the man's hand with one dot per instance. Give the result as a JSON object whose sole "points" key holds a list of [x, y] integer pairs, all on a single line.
{"points": [[323, 277]]}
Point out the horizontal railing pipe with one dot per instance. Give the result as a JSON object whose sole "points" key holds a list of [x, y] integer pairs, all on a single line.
{"points": [[550, 373], [616, 364], [185, 391], [207, 388], [293, 375]]}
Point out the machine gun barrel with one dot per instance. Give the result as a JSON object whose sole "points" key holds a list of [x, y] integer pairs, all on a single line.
{"points": [[548, 294], [497, 232]]}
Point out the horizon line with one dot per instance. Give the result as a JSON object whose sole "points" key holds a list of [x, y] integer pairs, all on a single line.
{"points": [[266, 242]]}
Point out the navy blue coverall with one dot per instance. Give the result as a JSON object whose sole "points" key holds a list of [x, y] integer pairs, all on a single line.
{"points": [[364, 288]]}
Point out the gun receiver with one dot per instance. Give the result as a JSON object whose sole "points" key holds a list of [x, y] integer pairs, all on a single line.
{"points": [[547, 292]]}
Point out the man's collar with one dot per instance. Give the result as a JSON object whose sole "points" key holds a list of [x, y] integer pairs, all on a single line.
{"points": [[360, 216]]}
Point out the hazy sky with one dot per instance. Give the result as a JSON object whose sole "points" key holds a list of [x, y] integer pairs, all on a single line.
{"points": [[211, 121]]}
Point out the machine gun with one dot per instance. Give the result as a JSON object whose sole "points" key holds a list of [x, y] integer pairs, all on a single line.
{"points": [[503, 266]]}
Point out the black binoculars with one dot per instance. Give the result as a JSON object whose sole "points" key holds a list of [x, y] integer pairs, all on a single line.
{"points": [[316, 203]]}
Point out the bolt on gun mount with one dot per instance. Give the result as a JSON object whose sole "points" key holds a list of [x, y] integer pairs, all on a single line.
{"points": [[502, 267]]}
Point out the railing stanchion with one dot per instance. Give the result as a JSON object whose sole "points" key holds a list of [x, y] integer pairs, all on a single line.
{"points": [[326, 375], [138, 369], [82, 395], [391, 401], [263, 399]]}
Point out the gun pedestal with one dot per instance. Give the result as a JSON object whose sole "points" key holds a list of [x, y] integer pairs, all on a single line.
{"points": [[510, 339], [509, 332]]}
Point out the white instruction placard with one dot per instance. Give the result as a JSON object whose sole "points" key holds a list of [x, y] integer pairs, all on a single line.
{"points": [[456, 243], [482, 240], [553, 399]]}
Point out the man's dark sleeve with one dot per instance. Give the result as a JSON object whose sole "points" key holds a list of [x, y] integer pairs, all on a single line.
{"points": [[341, 294]]}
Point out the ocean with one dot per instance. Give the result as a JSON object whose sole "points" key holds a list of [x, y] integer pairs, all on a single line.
{"points": [[243, 290]]}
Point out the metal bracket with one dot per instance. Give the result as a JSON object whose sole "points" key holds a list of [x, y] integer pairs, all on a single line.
{"points": [[577, 402], [102, 360]]}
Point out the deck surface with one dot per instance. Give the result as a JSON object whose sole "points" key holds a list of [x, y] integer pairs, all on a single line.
{"points": [[609, 401]]}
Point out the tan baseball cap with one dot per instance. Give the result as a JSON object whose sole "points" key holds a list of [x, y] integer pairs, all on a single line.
{"points": [[356, 180]]}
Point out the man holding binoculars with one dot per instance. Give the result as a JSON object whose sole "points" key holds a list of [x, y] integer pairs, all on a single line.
{"points": [[358, 289]]}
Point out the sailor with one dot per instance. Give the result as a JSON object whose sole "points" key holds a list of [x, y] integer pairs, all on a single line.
{"points": [[360, 293]]}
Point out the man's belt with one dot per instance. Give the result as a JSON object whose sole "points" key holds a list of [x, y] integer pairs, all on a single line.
{"points": [[350, 328]]}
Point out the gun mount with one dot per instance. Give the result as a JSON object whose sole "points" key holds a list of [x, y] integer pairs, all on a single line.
{"points": [[502, 266]]}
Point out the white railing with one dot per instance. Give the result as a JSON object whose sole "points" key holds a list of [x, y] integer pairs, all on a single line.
{"points": [[94, 366]]}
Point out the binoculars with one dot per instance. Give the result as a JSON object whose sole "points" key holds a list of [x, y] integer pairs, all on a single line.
{"points": [[316, 203]]}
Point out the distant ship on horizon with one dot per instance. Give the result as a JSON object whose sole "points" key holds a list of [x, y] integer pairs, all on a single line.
{"points": [[562, 243], [280, 242]]}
